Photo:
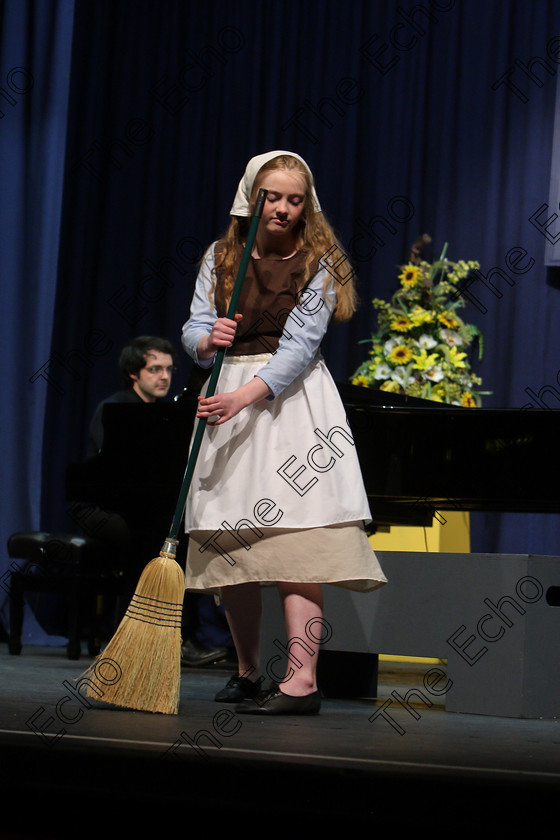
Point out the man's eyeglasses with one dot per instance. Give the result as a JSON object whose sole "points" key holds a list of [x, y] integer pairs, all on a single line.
{"points": [[156, 370]]}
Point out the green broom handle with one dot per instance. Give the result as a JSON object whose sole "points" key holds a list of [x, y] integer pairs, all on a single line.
{"points": [[257, 213]]}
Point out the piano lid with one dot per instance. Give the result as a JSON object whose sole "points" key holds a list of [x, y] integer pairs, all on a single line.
{"points": [[419, 454]]}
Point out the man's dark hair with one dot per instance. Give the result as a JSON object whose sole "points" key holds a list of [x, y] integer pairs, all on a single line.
{"points": [[133, 356]]}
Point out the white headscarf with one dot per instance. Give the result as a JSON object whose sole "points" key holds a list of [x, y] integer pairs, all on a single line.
{"points": [[241, 201]]}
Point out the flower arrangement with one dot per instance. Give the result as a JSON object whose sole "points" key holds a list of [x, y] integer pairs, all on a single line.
{"points": [[421, 346]]}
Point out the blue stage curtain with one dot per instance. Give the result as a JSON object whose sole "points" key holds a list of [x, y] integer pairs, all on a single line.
{"points": [[432, 116], [35, 53]]}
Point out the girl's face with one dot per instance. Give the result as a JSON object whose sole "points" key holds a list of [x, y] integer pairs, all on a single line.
{"points": [[284, 203]]}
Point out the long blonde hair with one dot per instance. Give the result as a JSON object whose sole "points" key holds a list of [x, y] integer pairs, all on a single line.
{"points": [[316, 241]]}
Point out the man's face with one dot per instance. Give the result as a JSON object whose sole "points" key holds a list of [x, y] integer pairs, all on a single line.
{"points": [[154, 379]]}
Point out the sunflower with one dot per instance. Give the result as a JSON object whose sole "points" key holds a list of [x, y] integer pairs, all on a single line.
{"points": [[400, 355], [409, 276], [360, 380], [448, 320], [401, 324], [467, 400]]}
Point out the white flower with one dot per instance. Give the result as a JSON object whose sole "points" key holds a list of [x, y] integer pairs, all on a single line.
{"points": [[426, 341], [401, 376], [451, 337], [389, 345], [382, 371], [434, 374]]}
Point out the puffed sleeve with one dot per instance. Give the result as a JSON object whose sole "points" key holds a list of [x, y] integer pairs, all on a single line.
{"points": [[203, 313]]}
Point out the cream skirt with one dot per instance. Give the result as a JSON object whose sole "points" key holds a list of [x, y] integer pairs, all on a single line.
{"points": [[277, 492]]}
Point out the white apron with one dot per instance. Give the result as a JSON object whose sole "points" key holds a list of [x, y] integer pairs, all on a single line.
{"points": [[277, 492]]}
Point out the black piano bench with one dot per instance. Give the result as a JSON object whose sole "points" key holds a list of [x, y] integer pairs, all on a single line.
{"points": [[81, 568]]}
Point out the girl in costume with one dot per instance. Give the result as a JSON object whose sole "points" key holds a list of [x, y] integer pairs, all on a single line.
{"points": [[277, 494]]}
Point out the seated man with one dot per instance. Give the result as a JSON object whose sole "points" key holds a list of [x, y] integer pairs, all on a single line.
{"points": [[146, 365]]}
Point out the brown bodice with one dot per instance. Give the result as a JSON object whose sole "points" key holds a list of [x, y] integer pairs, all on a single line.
{"points": [[269, 293]]}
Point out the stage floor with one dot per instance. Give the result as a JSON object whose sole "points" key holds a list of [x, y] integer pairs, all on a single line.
{"points": [[115, 769]]}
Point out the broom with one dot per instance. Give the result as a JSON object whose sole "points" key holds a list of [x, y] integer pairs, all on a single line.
{"points": [[143, 658]]}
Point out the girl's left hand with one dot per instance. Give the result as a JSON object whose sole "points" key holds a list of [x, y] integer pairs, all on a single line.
{"points": [[220, 407], [223, 407]]}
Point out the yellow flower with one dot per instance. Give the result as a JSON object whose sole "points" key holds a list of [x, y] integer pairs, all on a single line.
{"points": [[409, 276], [420, 316], [390, 385], [423, 361], [448, 320], [401, 323], [360, 380], [467, 400], [400, 355], [456, 358], [438, 394]]}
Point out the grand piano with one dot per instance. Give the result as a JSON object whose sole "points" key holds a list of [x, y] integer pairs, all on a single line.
{"points": [[417, 457], [417, 453]]}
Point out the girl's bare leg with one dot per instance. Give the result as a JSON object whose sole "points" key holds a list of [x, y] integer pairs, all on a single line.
{"points": [[243, 609], [302, 602]]}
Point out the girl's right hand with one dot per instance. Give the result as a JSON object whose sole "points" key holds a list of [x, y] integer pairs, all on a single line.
{"points": [[222, 335]]}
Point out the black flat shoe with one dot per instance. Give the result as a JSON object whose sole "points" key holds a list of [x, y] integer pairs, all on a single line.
{"points": [[194, 654], [274, 702], [236, 690]]}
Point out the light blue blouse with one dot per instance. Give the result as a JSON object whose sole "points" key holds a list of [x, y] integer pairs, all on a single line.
{"points": [[301, 339]]}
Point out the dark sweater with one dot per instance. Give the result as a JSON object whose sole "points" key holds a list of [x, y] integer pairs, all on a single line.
{"points": [[95, 441]]}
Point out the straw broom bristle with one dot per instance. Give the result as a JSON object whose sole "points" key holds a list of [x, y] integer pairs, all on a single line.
{"points": [[145, 651]]}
